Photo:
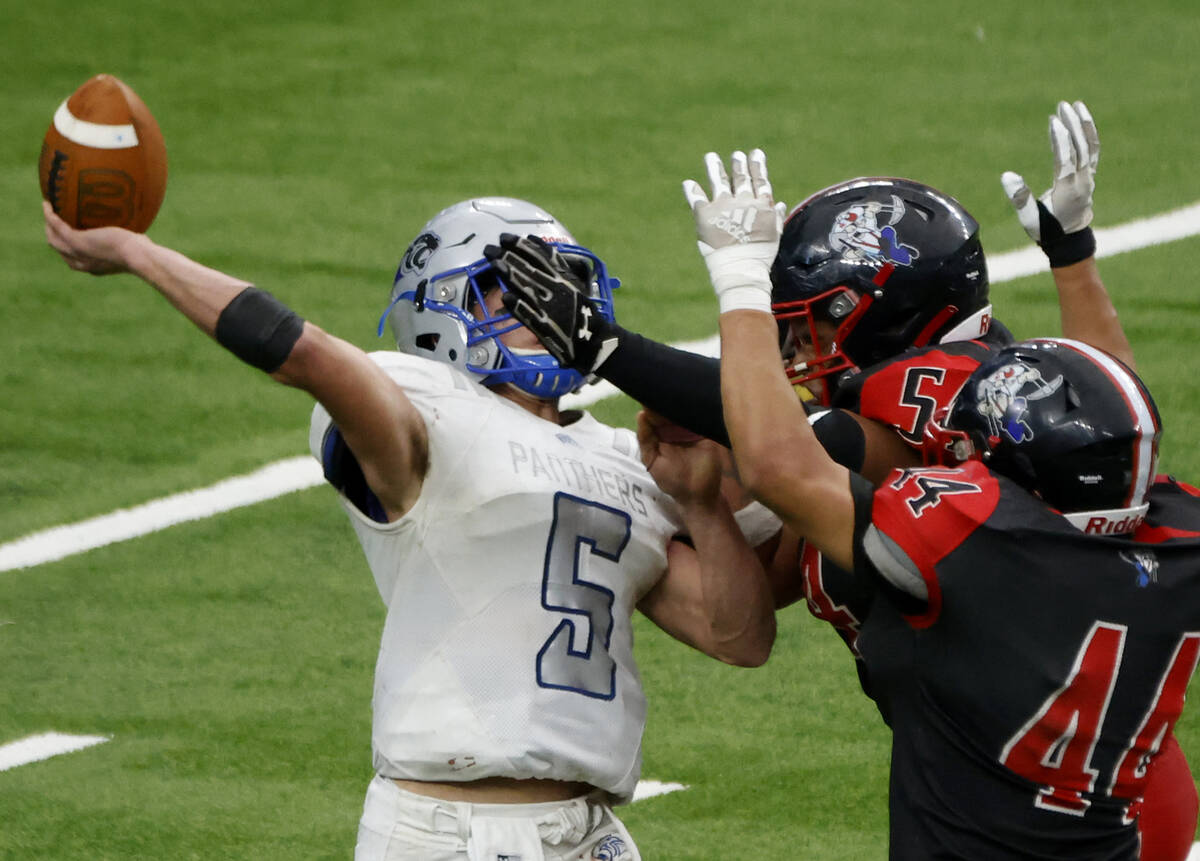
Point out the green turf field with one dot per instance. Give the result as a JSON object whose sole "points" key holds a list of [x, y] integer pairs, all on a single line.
{"points": [[230, 660]]}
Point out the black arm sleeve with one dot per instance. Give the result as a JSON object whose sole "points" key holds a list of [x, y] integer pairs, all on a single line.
{"points": [[681, 386], [686, 388], [842, 438], [863, 494]]}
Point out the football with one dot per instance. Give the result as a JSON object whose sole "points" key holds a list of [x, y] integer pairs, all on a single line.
{"points": [[103, 159]]}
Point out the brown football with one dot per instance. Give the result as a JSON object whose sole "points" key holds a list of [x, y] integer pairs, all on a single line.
{"points": [[103, 159]]}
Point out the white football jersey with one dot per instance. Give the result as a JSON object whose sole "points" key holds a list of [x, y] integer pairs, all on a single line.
{"points": [[510, 588]]}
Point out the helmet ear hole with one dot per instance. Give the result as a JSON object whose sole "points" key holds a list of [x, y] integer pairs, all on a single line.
{"points": [[428, 340]]}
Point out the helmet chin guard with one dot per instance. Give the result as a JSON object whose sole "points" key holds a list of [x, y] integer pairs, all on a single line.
{"points": [[439, 306]]}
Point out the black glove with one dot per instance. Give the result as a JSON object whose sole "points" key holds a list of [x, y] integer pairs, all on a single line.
{"points": [[550, 298]]}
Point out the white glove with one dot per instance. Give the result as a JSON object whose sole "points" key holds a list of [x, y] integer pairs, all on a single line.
{"points": [[738, 229], [1060, 218]]}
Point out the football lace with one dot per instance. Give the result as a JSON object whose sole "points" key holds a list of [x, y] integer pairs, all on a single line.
{"points": [[54, 183]]}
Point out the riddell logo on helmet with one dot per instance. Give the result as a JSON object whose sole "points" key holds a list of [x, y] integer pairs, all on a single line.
{"points": [[1107, 526], [559, 240]]}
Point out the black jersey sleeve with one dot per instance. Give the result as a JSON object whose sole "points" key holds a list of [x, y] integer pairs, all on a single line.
{"points": [[681, 386], [685, 387], [863, 493], [841, 436]]}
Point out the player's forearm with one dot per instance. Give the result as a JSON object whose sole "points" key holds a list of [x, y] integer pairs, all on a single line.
{"points": [[198, 292], [1087, 311], [778, 457], [735, 598], [767, 423]]}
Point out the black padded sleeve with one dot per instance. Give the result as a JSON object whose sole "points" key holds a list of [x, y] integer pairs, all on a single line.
{"points": [[259, 329], [681, 386], [842, 438], [863, 494]]}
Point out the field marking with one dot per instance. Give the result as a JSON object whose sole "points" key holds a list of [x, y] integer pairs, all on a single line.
{"points": [[36, 748], [299, 473], [650, 788], [58, 542]]}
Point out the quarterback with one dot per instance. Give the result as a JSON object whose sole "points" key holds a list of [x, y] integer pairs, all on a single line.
{"points": [[510, 541]]}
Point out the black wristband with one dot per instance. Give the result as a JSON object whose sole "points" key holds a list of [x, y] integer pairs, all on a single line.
{"points": [[259, 329], [1063, 249], [1070, 248]]}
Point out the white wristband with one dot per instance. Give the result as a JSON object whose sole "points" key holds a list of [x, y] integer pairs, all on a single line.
{"points": [[744, 299], [757, 522], [738, 272]]}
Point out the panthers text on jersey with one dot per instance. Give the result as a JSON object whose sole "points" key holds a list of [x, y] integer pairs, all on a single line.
{"points": [[510, 587]]}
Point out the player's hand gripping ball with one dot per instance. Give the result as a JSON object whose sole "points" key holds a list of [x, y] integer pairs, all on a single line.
{"points": [[103, 160]]}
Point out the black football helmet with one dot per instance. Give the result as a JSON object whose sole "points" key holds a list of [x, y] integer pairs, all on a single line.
{"points": [[890, 263], [1065, 421]]}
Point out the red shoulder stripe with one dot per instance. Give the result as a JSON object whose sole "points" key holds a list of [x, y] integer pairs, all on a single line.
{"points": [[929, 513]]}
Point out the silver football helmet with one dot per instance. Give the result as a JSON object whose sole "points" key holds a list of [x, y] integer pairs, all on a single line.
{"points": [[437, 307]]}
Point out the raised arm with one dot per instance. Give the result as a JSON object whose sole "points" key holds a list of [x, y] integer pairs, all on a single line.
{"points": [[779, 459], [379, 424], [1060, 222]]}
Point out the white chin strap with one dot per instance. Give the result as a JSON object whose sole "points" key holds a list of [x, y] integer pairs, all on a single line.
{"points": [[1112, 521]]}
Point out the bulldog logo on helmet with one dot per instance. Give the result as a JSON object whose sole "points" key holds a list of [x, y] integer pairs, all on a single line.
{"points": [[1004, 396], [856, 233]]}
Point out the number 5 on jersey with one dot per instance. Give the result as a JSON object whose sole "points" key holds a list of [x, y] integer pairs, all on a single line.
{"points": [[575, 657]]}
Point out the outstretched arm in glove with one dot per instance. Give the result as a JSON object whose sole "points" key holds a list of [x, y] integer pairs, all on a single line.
{"points": [[1060, 222]]}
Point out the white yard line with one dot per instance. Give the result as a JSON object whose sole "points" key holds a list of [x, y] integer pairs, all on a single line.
{"points": [[35, 748], [299, 473], [58, 542], [650, 788]]}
